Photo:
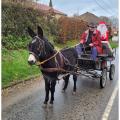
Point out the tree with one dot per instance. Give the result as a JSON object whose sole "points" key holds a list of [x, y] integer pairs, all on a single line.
{"points": [[105, 19]]}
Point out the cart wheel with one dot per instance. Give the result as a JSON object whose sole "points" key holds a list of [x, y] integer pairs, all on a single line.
{"points": [[112, 71], [103, 78]]}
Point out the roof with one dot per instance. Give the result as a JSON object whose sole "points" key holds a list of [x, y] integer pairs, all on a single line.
{"points": [[89, 17], [46, 8]]}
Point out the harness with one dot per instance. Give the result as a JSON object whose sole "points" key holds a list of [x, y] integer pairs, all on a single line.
{"points": [[60, 62], [59, 67]]}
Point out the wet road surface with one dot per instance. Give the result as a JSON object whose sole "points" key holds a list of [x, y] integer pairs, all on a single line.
{"points": [[89, 103]]}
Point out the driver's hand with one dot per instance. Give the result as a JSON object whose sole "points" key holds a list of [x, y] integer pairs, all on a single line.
{"points": [[91, 44]]}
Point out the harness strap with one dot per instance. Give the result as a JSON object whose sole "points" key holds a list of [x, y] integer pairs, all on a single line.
{"points": [[61, 60], [65, 60], [40, 63], [58, 70], [53, 69]]}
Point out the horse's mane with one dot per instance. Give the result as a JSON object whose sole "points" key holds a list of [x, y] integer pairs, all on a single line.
{"points": [[51, 45]]}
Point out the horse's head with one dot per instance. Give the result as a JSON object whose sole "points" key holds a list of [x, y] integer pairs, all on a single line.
{"points": [[36, 46], [39, 47]]}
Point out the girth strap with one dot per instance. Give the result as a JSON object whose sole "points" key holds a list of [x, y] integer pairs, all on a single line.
{"points": [[53, 70]]}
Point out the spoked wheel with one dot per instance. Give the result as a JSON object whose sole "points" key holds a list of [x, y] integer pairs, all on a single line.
{"points": [[112, 71], [103, 78]]}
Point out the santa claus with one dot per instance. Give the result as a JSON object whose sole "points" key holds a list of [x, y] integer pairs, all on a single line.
{"points": [[102, 28]]}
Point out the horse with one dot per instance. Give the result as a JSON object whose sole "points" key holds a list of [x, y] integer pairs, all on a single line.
{"points": [[51, 62]]}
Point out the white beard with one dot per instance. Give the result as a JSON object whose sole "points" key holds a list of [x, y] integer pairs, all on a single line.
{"points": [[102, 29]]}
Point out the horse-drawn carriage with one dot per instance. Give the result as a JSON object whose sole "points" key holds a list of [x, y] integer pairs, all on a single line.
{"points": [[97, 69], [53, 63]]}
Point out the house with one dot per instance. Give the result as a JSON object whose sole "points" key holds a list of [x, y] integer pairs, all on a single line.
{"points": [[89, 17], [50, 10]]}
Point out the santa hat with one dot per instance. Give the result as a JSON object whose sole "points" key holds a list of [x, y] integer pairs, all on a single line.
{"points": [[102, 22]]}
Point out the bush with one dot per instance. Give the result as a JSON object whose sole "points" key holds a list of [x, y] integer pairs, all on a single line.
{"points": [[15, 20], [70, 28], [14, 42]]}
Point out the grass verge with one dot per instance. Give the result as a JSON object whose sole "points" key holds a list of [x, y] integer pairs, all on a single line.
{"points": [[114, 44], [15, 66]]}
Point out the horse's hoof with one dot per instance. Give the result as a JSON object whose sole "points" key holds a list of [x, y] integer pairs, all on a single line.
{"points": [[74, 93], [63, 91]]}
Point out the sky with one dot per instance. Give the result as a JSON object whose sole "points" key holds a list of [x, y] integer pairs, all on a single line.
{"points": [[98, 7]]}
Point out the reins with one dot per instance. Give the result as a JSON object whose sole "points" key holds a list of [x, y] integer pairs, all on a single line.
{"points": [[38, 63]]}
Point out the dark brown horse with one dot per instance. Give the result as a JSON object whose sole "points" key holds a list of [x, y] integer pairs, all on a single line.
{"points": [[51, 62]]}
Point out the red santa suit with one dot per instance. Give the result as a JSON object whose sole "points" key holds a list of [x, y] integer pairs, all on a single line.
{"points": [[102, 28]]}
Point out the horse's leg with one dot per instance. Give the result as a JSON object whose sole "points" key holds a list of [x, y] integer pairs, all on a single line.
{"points": [[66, 79], [47, 88], [75, 80], [52, 89]]}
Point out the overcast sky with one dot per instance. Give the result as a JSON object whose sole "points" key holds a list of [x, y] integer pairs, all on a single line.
{"points": [[97, 7]]}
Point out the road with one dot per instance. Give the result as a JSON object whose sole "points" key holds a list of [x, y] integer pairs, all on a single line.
{"points": [[24, 102]]}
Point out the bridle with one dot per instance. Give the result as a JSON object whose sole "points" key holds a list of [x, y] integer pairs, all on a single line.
{"points": [[40, 47], [38, 63]]}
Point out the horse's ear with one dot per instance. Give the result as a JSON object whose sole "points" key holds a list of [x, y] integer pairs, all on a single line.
{"points": [[31, 33], [40, 31]]}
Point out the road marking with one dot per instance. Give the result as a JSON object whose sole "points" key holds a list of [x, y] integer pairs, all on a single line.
{"points": [[110, 103]]}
